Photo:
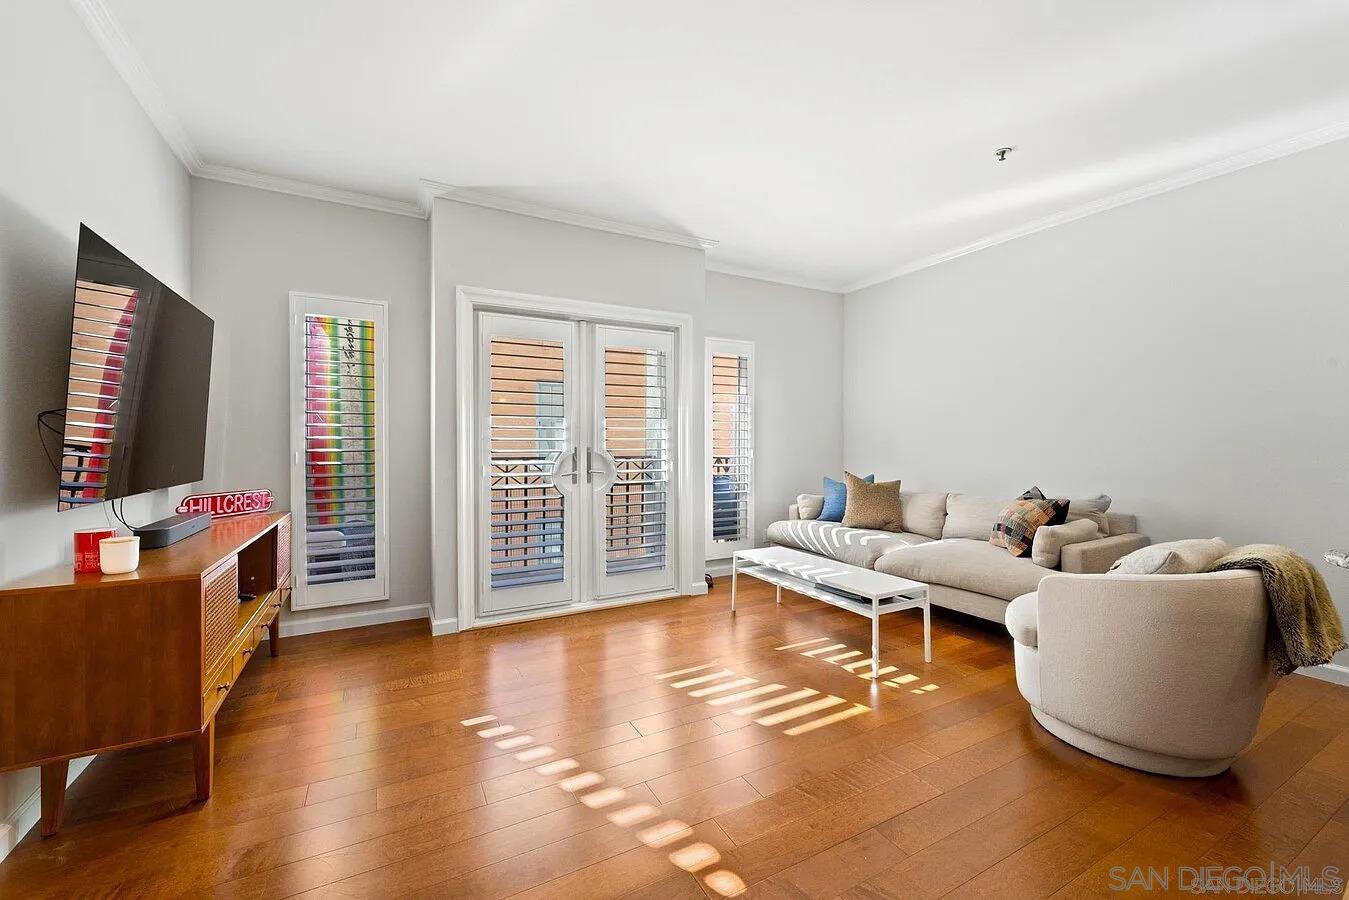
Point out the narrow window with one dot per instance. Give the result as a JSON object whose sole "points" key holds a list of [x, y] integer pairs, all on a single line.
{"points": [[338, 463]]}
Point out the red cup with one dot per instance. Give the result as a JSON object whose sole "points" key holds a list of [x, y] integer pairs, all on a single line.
{"points": [[86, 548]]}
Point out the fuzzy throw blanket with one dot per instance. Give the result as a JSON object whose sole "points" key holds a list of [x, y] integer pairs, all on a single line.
{"points": [[1307, 629]]}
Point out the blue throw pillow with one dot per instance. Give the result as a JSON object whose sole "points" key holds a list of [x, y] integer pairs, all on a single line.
{"points": [[836, 498]]}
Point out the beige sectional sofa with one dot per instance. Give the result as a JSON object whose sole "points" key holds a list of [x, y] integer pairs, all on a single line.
{"points": [[945, 545]]}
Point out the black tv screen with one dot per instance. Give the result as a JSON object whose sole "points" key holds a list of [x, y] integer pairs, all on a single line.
{"points": [[140, 373]]}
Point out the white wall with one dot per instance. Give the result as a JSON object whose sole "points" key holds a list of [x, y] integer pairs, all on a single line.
{"points": [[250, 249], [1187, 354], [798, 403], [76, 148], [488, 248]]}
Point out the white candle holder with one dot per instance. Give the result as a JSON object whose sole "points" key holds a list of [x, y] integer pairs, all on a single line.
{"points": [[119, 555]]}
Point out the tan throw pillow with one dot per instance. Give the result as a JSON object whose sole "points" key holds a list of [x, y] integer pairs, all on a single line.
{"points": [[872, 505], [1173, 558], [1047, 545]]}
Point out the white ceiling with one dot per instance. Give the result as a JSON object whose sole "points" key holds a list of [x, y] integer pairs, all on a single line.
{"points": [[825, 142]]}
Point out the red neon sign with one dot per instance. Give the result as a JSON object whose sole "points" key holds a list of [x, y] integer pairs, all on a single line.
{"points": [[224, 504]]}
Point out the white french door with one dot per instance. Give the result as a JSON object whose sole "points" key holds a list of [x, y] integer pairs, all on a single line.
{"points": [[574, 450]]}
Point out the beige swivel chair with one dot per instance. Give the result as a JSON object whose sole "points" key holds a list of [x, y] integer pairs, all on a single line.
{"points": [[1165, 673]]}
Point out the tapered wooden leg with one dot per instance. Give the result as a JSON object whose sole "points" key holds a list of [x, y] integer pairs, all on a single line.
{"points": [[274, 635], [203, 759], [53, 796]]}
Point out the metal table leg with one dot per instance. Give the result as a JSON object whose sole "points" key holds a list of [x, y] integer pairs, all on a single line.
{"points": [[875, 637], [927, 631], [735, 564]]}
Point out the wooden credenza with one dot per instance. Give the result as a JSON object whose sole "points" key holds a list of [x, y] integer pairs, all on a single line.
{"points": [[93, 663]]}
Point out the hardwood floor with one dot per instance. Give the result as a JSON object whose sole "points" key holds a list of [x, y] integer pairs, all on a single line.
{"points": [[603, 755]]}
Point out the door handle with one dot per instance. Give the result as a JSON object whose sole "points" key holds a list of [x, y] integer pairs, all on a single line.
{"points": [[607, 471], [591, 471], [557, 467]]}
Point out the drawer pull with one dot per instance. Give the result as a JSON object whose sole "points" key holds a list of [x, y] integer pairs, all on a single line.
{"points": [[247, 651], [224, 687]]}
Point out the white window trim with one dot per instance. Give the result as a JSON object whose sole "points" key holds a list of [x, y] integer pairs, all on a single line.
{"points": [[720, 550], [302, 302], [456, 590]]}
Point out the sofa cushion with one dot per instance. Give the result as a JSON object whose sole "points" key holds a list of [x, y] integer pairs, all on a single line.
{"points": [[872, 504], [1121, 523], [1049, 541], [1173, 558], [971, 565], [923, 512], [836, 498], [1093, 509], [1017, 524], [971, 517], [809, 506], [856, 546]]}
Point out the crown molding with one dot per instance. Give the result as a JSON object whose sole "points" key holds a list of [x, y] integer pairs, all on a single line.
{"points": [[725, 268], [1267, 153], [305, 189], [117, 48], [431, 190]]}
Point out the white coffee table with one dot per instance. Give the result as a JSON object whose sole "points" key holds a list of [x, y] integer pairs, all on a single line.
{"points": [[865, 592]]}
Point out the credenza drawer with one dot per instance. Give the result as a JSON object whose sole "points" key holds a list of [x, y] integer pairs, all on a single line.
{"points": [[245, 652], [218, 685]]}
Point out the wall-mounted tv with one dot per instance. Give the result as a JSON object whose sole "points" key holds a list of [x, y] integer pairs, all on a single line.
{"points": [[139, 379]]}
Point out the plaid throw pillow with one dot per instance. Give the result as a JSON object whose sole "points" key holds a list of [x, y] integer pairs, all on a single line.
{"points": [[1016, 526]]}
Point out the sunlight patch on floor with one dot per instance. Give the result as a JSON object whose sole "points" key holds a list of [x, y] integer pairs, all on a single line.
{"points": [[797, 712], [695, 857], [727, 884], [718, 688], [692, 858], [534, 753], [480, 720], [558, 766], [744, 695], [855, 710], [702, 679], [776, 701], [800, 644], [665, 834]]}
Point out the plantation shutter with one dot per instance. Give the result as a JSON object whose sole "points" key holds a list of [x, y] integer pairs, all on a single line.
{"points": [[338, 466], [637, 437], [528, 431], [730, 428]]}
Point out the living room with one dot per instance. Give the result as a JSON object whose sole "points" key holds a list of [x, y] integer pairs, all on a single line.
{"points": [[541, 347]]}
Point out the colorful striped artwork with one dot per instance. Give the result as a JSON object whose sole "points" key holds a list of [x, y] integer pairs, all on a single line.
{"points": [[340, 456]]}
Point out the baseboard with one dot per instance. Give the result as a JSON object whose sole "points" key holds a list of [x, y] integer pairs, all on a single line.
{"points": [[341, 620], [697, 589], [1332, 672], [448, 625], [17, 823], [718, 567]]}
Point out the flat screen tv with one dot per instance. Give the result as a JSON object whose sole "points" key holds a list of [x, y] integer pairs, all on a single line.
{"points": [[139, 379]]}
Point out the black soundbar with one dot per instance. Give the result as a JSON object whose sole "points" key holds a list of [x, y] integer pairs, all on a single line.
{"points": [[172, 530]]}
